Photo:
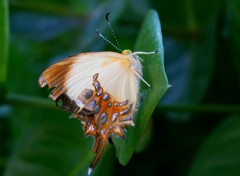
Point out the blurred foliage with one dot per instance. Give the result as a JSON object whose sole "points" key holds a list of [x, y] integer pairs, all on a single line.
{"points": [[202, 61], [224, 160], [3, 42]]}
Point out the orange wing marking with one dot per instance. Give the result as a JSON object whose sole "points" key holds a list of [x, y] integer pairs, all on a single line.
{"points": [[106, 116]]}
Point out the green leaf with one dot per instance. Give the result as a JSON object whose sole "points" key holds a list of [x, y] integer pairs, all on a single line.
{"points": [[150, 39], [52, 146], [234, 35], [220, 154], [106, 165], [145, 138], [3, 40]]}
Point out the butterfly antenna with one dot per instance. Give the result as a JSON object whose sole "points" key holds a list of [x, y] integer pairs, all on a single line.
{"points": [[104, 38], [110, 26]]}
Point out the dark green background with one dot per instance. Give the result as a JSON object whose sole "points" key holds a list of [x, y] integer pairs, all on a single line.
{"points": [[195, 128]]}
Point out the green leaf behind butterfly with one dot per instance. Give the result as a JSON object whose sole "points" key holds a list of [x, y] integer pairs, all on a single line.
{"points": [[149, 39]]}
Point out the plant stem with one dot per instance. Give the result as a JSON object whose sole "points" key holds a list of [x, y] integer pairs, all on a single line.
{"points": [[32, 101]]}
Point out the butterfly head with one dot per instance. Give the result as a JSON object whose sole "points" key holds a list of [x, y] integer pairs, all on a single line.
{"points": [[127, 52]]}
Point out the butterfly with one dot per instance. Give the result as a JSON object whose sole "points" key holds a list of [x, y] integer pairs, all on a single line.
{"points": [[101, 89]]}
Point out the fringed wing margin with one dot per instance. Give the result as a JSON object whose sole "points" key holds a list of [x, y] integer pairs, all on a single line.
{"points": [[55, 77]]}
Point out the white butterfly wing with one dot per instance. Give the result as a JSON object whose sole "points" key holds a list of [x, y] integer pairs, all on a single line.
{"points": [[75, 74]]}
